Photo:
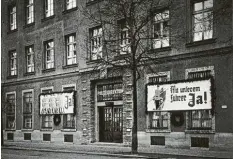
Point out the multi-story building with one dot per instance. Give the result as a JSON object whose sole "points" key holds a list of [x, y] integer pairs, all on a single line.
{"points": [[47, 63]]}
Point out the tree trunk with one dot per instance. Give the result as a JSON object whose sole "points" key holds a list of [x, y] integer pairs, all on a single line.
{"points": [[134, 147]]}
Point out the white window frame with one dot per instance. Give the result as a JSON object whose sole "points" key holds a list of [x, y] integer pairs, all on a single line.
{"points": [[10, 93], [71, 4], [49, 8], [159, 19], [168, 129], [202, 29], [96, 44], [33, 106], [13, 17], [49, 64], [30, 62], [41, 120], [13, 65], [30, 11], [64, 128], [71, 52], [199, 69]]}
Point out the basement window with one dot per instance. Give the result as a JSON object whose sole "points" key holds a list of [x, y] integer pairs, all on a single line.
{"points": [[199, 142]]}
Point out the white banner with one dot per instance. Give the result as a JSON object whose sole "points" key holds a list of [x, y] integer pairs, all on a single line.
{"points": [[189, 95], [57, 103]]}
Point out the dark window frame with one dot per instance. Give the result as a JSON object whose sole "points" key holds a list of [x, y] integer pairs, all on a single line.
{"points": [[28, 108], [199, 12]]}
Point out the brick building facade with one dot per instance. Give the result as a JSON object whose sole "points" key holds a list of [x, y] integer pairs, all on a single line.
{"points": [[44, 51]]}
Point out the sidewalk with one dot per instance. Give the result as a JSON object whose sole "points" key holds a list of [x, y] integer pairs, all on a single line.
{"points": [[115, 150]]}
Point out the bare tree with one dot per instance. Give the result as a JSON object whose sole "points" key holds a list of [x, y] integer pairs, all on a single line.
{"points": [[130, 33]]}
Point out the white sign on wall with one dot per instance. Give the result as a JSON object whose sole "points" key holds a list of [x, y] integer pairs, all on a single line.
{"points": [[188, 95], [57, 103]]}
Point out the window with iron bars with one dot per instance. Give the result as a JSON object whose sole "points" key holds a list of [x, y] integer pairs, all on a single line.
{"points": [[158, 119], [200, 119]]}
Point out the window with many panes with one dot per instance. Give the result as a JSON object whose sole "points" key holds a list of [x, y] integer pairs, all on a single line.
{"points": [[27, 109], [70, 4], [49, 8], [71, 55], [158, 119], [200, 119], [202, 20], [96, 43], [124, 38], [10, 111], [29, 11], [12, 18], [161, 33], [13, 63], [47, 120], [69, 119], [49, 54], [30, 58]]}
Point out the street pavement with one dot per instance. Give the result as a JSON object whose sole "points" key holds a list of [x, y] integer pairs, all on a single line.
{"points": [[113, 150], [32, 154], [26, 154]]}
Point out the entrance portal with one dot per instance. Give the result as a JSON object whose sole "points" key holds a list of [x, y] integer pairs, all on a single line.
{"points": [[110, 124]]}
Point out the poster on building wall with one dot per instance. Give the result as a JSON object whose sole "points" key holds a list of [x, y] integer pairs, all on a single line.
{"points": [[186, 95], [57, 103]]}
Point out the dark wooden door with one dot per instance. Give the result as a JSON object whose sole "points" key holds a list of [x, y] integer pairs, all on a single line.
{"points": [[110, 124]]}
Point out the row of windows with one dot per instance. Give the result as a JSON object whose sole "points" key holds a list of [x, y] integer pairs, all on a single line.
{"points": [[198, 119], [49, 56], [28, 107], [202, 25], [29, 11]]}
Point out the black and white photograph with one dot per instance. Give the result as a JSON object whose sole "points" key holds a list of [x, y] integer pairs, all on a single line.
{"points": [[101, 79]]}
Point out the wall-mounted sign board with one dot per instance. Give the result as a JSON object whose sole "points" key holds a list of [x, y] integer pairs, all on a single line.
{"points": [[57, 103], [177, 96]]}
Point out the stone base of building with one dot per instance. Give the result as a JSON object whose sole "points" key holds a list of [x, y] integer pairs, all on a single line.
{"points": [[214, 141]]}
